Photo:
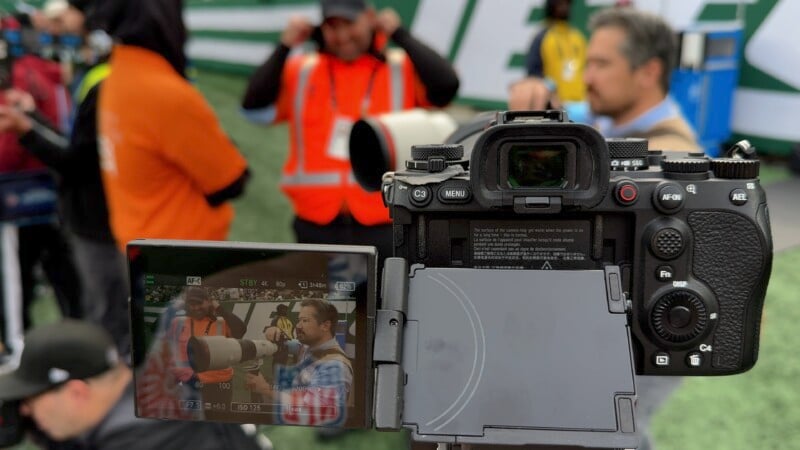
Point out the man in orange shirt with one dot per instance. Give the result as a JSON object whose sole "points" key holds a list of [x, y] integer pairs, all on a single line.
{"points": [[168, 167]]}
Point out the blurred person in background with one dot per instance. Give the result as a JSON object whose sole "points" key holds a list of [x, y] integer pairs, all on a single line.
{"points": [[168, 168], [74, 158], [558, 53], [350, 75], [629, 63], [630, 58], [73, 384], [39, 243]]}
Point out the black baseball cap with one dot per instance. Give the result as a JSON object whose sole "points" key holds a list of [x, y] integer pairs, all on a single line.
{"points": [[56, 353], [81, 5], [346, 9]]}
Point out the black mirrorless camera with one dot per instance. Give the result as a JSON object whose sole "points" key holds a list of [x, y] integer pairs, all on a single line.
{"points": [[690, 234], [530, 285]]}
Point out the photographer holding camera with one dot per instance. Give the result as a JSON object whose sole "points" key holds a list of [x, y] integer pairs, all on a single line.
{"points": [[72, 383], [323, 377], [351, 75], [204, 317]]}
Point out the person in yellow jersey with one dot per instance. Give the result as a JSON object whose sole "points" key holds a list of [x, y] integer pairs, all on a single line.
{"points": [[558, 53]]}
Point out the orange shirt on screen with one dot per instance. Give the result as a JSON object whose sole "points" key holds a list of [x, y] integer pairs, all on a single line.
{"points": [[162, 151]]}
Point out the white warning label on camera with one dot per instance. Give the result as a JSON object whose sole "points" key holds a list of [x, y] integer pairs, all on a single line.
{"points": [[541, 245]]}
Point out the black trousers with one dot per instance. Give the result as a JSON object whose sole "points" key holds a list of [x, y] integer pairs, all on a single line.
{"points": [[46, 244]]}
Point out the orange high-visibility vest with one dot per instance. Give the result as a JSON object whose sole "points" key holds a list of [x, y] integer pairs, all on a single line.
{"points": [[317, 89], [181, 331]]}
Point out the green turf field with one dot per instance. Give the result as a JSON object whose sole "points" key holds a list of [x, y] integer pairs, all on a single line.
{"points": [[757, 410]]}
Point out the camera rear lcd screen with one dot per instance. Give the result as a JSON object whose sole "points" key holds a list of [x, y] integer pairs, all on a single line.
{"points": [[534, 166], [252, 333]]}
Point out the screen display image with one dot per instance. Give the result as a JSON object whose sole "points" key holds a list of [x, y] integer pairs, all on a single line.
{"points": [[259, 335]]}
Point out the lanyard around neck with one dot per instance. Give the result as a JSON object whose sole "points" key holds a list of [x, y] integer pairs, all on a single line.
{"points": [[208, 327], [367, 94]]}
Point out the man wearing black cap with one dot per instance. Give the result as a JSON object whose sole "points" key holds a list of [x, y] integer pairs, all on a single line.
{"points": [[71, 382], [322, 93]]}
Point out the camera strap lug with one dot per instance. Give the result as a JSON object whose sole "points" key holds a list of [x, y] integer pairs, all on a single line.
{"points": [[614, 293]]}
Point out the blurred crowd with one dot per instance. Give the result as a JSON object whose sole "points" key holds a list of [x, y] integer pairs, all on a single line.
{"points": [[97, 96]]}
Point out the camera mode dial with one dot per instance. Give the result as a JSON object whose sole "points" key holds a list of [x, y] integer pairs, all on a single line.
{"points": [[735, 169], [434, 157], [627, 153], [679, 316]]}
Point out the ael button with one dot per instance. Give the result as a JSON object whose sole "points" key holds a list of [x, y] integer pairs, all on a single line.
{"points": [[626, 193], [738, 197]]}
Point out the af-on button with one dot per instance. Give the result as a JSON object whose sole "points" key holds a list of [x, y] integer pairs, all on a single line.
{"points": [[669, 198]]}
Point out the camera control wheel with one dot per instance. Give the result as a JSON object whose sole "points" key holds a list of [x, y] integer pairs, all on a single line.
{"points": [[434, 158], [679, 316]]}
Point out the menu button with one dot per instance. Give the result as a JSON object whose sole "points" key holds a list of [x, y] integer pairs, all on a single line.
{"points": [[455, 193]]}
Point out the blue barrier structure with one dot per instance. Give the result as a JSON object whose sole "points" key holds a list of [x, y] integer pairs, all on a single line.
{"points": [[705, 79]]}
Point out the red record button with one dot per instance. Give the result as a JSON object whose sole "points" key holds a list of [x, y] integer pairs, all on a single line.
{"points": [[627, 192]]}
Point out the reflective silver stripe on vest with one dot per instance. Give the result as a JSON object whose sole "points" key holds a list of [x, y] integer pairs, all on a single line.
{"points": [[395, 58], [351, 178], [177, 330], [300, 177]]}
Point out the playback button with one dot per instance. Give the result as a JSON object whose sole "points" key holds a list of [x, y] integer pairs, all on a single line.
{"points": [[661, 359]]}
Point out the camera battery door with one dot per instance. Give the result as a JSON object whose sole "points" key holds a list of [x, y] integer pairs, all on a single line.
{"points": [[186, 370]]}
